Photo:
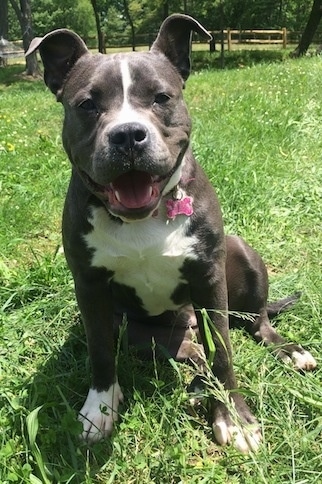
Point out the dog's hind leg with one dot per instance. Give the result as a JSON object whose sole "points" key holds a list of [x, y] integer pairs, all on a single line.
{"points": [[263, 332], [173, 334], [247, 282]]}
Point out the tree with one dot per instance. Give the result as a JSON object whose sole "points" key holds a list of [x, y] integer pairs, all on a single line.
{"points": [[165, 9], [100, 34], [4, 19], [128, 15], [310, 29], [23, 12]]}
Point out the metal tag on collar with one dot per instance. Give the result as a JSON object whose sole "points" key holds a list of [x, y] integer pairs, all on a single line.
{"points": [[177, 193]]}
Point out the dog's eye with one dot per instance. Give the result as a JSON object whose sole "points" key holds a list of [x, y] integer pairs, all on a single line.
{"points": [[88, 105], [161, 98]]}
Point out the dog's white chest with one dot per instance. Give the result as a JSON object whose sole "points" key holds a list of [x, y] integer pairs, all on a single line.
{"points": [[146, 255]]}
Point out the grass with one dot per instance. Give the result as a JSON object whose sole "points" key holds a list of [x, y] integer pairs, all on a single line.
{"points": [[258, 133]]}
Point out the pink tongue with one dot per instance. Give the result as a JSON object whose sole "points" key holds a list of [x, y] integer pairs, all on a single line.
{"points": [[134, 189]]}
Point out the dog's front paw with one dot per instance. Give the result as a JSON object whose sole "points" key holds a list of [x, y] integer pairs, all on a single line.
{"points": [[99, 412], [303, 360], [296, 356], [243, 431], [244, 439]]}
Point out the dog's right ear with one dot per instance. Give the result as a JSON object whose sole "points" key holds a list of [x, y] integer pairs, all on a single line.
{"points": [[174, 41], [59, 50]]}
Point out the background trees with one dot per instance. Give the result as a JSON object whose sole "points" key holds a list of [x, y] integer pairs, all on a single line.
{"points": [[121, 19]]}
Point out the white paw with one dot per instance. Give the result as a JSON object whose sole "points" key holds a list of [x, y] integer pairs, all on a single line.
{"points": [[99, 412], [303, 360], [244, 439]]}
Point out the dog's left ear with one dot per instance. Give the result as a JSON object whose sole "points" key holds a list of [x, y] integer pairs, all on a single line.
{"points": [[59, 51], [174, 41]]}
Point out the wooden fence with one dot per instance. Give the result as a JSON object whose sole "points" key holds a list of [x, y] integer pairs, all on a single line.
{"points": [[258, 36], [230, 37]]}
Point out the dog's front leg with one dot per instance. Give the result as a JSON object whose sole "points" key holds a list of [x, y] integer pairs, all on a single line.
{"points": [[100, 408], [233, 423]]}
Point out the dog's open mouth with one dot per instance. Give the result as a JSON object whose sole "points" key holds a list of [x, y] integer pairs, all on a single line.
{"points": [[133, 195], [134, 190]]}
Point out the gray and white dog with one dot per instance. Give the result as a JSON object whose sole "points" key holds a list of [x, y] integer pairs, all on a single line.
{"points": [[142, 227]]}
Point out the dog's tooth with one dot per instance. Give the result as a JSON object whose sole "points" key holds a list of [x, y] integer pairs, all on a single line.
{"points": [[150, 190], [117, 196]]}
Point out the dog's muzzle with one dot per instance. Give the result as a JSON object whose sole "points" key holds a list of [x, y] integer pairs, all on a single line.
{"points": [[136, 186]]}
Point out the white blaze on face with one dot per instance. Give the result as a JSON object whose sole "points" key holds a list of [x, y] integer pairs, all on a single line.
{"points": [[127, 114], [126, 80]]}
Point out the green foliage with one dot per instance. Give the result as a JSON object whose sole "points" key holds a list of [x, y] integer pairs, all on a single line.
{"points": [[257, 132], [265, 14], [215, 15], [48, 15], [52, 14], [147, 15]]}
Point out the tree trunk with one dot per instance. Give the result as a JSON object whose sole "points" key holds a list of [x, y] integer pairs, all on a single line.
{"points": [[128, 15], [310, 29], [4, 19], [23, 12], [165, 9], [100, 33], [3, 25]]}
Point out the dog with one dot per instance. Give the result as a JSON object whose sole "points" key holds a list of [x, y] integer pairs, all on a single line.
{"points": [[142, 227]]}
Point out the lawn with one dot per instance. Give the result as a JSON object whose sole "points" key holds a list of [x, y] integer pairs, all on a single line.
{"points": [[258, 134]]}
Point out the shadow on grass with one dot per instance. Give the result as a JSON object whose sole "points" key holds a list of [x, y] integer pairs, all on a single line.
{"points": [[201, 60], [60, 388], [236, 59], [15, 74]]}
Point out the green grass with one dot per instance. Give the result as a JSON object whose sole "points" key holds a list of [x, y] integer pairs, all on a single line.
{"points": [[258, 133]]}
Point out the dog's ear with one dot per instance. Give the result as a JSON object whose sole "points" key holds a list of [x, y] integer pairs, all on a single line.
{"points": [[174, 41], [59, 50]]}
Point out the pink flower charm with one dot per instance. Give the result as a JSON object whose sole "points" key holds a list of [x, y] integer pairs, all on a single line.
{"points": [[179, 207]]}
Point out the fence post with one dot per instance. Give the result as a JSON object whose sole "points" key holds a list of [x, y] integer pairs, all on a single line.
{"points": [[222, 49], [212, 43], [229, 39], [284, 37]]}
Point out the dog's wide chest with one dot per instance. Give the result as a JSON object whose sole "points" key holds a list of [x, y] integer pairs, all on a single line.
{"points": [[146, 256]]}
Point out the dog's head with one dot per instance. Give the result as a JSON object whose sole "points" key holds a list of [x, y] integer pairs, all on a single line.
{"points": [[126, 127]]}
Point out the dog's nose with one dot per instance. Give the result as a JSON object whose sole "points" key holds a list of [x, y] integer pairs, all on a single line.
{"points": [[129, 137]]}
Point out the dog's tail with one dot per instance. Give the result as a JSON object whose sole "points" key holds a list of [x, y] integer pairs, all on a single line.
{"points": [[277, 307]]}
